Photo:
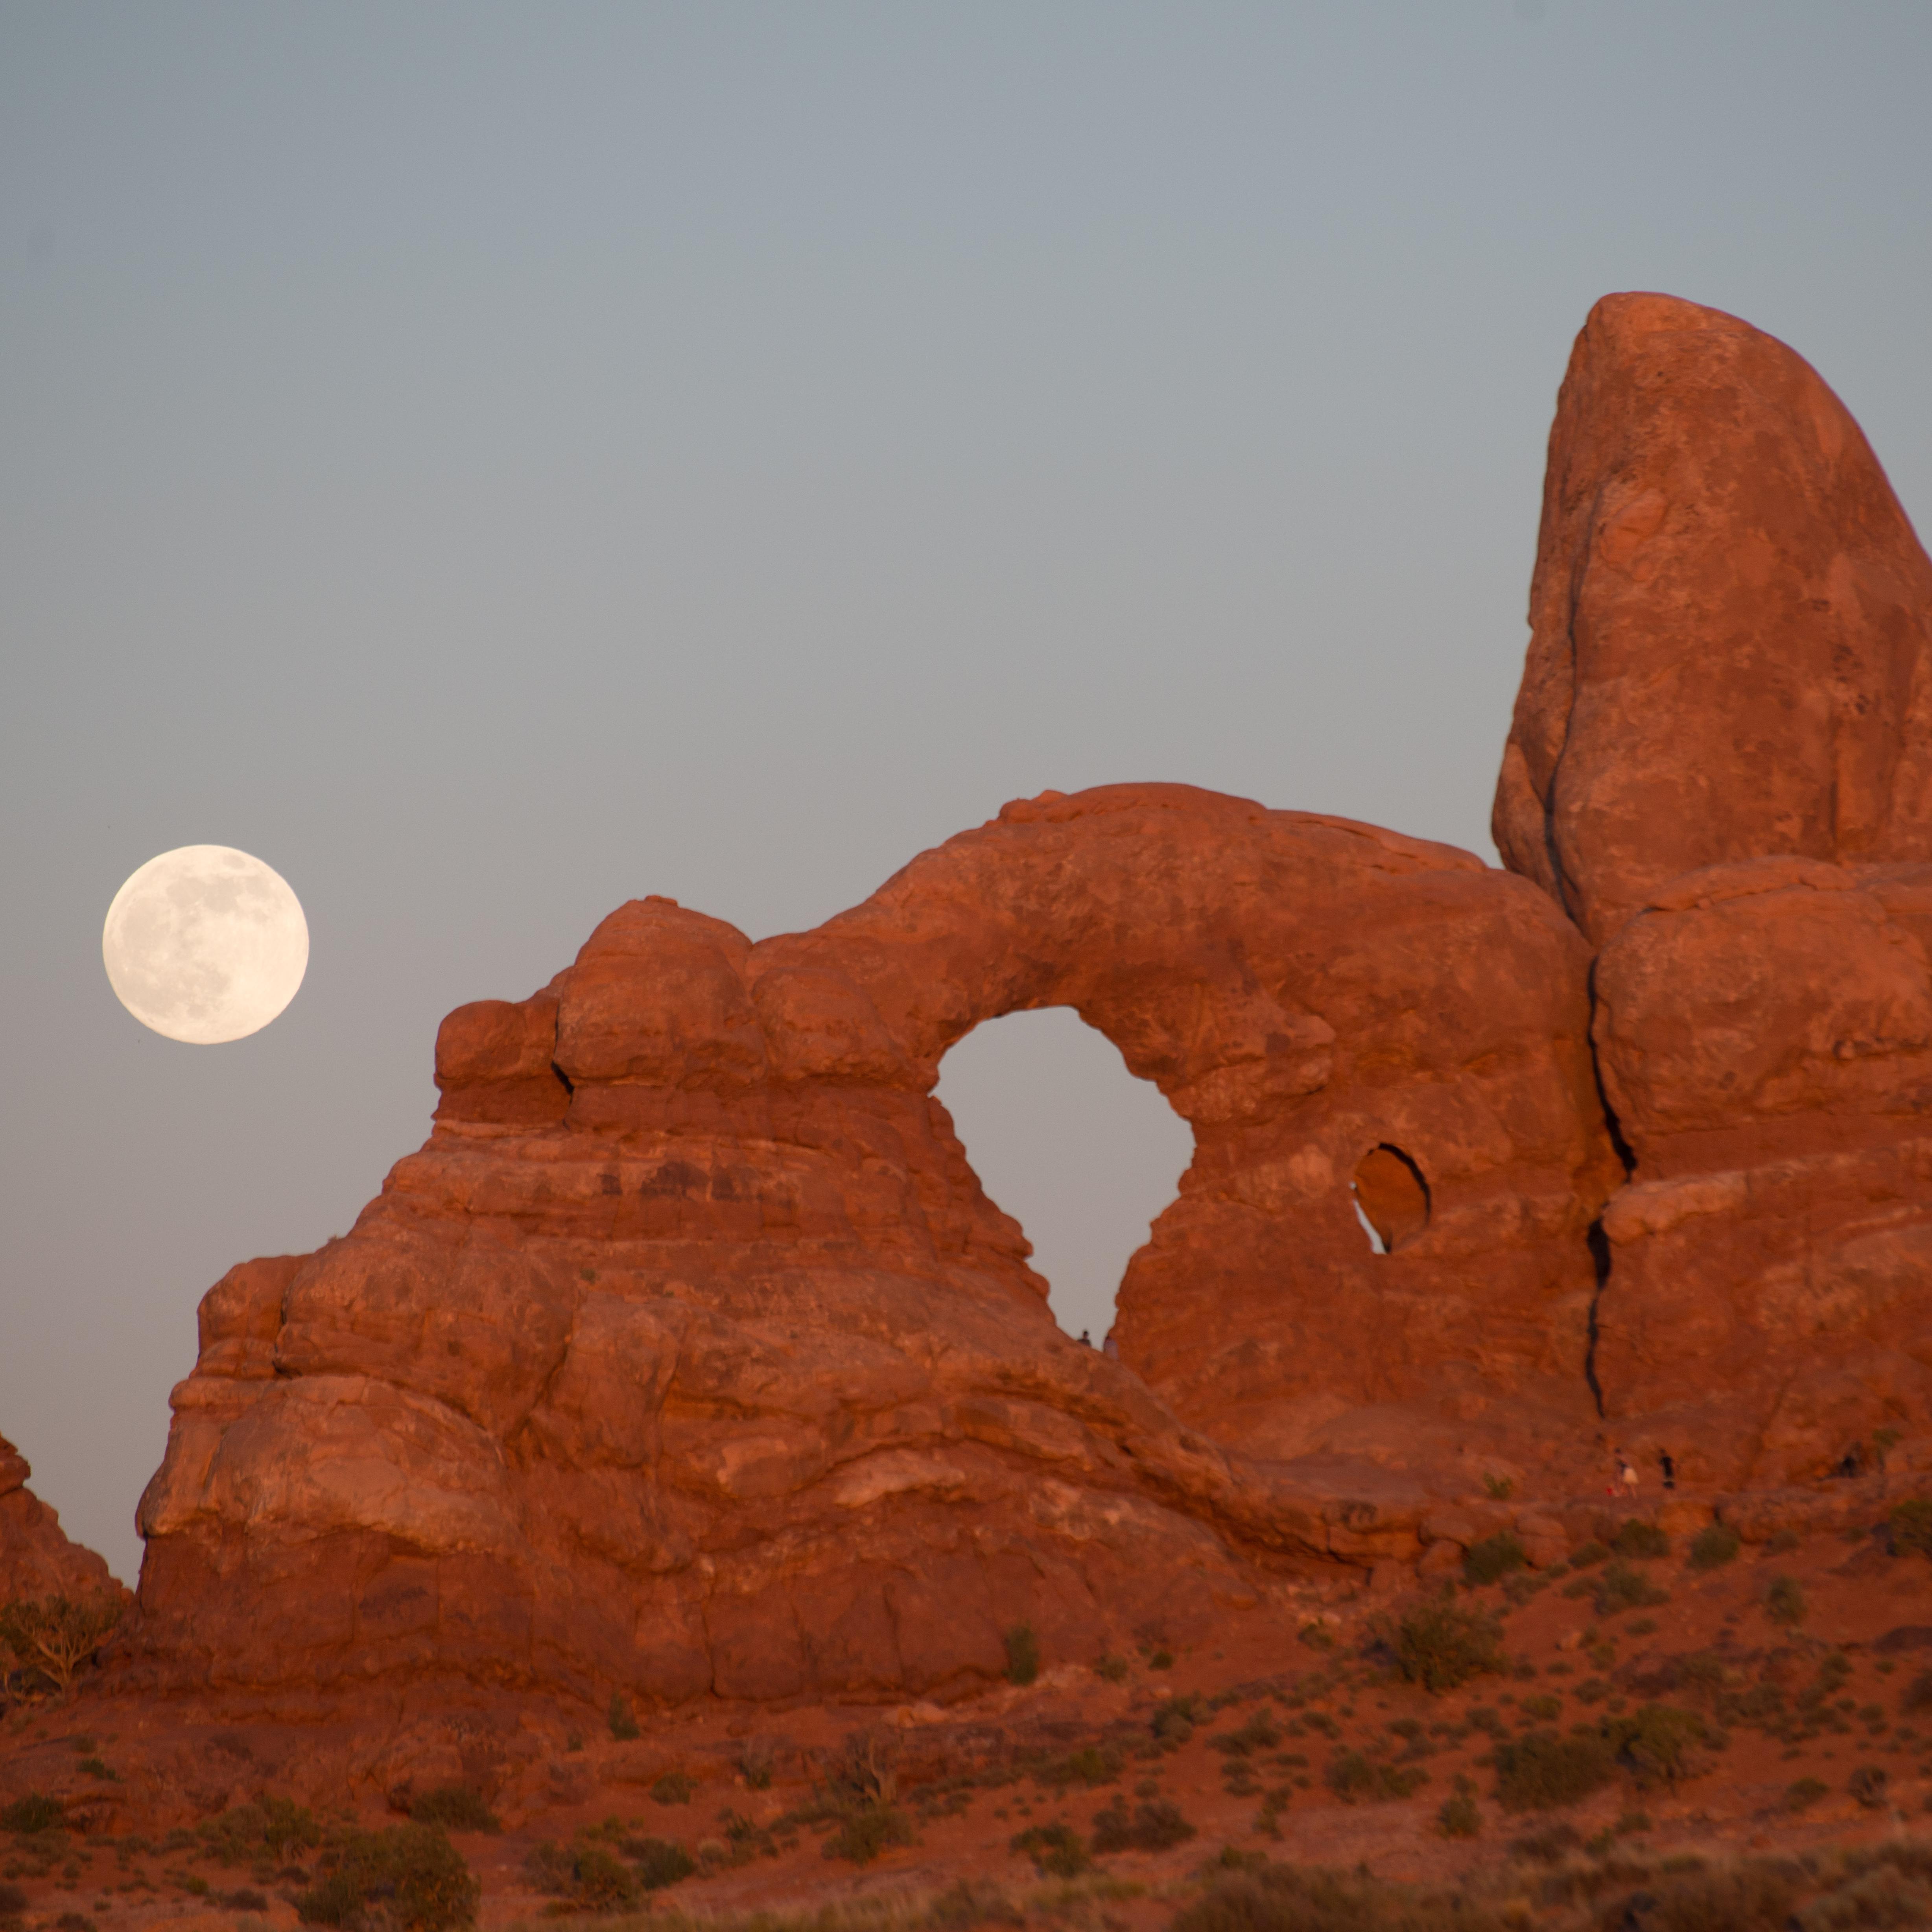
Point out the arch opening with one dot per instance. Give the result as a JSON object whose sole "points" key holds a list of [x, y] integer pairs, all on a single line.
{"points": [[1075, 1148], [1392, 1197]]}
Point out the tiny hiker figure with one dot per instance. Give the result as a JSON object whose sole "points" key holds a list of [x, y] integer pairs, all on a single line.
{"points": [[1668, 1465]]}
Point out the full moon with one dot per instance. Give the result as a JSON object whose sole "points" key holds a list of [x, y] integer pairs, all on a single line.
{"points": [[205, 944]]}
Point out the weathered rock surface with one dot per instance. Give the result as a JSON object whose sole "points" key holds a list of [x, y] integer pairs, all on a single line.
{"points": [[36, 1558], [1765, 1031], [1731, 646], [689, 1354]]}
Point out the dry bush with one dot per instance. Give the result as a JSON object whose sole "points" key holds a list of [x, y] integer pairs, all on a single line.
{"points": [[1440, 1647], [1147, 1828], [1493, 1559], [1713, 1547], [1543, 1772], [456, 1807], [408, 1879], [55, 1637]]}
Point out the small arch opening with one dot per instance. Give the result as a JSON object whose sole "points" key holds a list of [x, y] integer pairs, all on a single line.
{"points": [[1078, 1150], [1392, 1200]]}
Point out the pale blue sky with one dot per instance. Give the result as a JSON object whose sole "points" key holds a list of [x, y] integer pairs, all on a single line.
{"points": [[490, 461]]}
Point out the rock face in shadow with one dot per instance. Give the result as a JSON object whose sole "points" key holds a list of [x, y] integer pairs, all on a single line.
{"points": [[689, 1356], [36, 1558], [1732, 624]]}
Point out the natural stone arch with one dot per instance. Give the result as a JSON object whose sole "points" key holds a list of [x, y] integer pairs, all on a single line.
{"points": [[689, 1355], [1299, 987]]}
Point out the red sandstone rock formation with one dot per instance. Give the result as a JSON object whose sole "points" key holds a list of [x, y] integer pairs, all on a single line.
{"points": [[36, 1558], [1732, 647], [688, 1354], [1765, 1035]]}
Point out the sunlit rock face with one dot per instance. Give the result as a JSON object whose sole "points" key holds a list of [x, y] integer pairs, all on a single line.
{"points": [[689, 1355], [1721, 763], [1731, 646], [1765, 1033], [36, 1561]]}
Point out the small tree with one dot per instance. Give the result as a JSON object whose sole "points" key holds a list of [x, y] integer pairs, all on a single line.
{"points": [[57, 1635]]}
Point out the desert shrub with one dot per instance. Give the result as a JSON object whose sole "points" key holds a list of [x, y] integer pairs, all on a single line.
{"points": [[1357, 1780], [1784, 1601], [1547, 1846], [1870, 1895], [1492, 1559], [245, 1899], [658, 1862], [1500, 1488], [1636, 1538], [1259, 1733], [1588, 1554], [1712, 1548], [409, 1877], [1917, 1696], [278, 1826], [1867, 1785], [1908, 1528], [1147, 1828], [1057, 1851], [756, 1760], [604, 1883], [1091, 1765], [1458, 1818], [1113, 1668], [624, 1725], [1621, 1588], [1803, 1795], [1302, 1898], [1022, 1654], [965, 1904], [674, 1788], [1174, 1718], [12, 1902], [1543, 1771], [550, 1868], [33, 1813], [867, 1831], [456, 1807], [56, 1636], [1658, 1742], [1440, 1647], [1754, 1897]]}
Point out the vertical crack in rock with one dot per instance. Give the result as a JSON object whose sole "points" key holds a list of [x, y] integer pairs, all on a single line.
{"points": [[1600, 1256]]}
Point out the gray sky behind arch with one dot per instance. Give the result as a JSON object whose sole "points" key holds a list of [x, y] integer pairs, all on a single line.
{"points": [[490, 461]]}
